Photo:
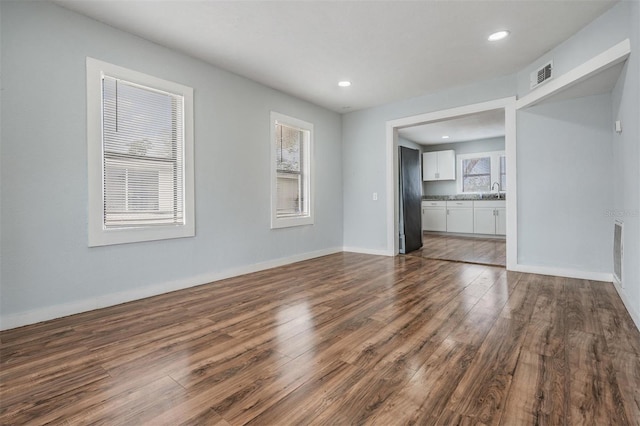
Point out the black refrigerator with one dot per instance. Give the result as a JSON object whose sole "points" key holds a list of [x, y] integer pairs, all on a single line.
{"points": [[410, 200]]}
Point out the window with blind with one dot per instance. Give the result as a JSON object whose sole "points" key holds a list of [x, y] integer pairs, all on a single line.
{"points": [[503, 173], [291, 198], [140, 156], [478, 172]]}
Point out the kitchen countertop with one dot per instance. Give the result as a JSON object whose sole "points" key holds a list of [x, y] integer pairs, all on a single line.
{"points": [[489, 196]]}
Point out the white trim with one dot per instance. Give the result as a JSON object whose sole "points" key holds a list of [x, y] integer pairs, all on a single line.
{"points": [[593, 66], [635, 316], [98, 235], [512, 187], [51, 312], [392, 126], [368, 251], [562, 272], [307, 171]]}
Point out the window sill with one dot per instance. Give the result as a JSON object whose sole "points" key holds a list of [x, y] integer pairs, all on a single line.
{"points": [[288, 222]]}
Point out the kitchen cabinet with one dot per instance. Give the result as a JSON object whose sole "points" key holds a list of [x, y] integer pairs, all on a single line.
{"points": [[439, 165], [501, 221], [460, 216], [489, 217], [434, 216]]}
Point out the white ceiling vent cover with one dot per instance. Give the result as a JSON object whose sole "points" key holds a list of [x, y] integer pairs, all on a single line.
{"points": [[542, 74], [617, 251]]}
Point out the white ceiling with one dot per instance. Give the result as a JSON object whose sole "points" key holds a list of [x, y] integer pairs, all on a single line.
{"points": [[390, 50], [483, 125]]}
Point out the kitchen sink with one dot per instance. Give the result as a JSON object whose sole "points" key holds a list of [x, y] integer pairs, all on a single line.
{"points": [[494, 196]]}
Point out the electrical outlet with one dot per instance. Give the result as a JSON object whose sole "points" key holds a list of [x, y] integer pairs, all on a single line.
{"points": [[375, 196]]}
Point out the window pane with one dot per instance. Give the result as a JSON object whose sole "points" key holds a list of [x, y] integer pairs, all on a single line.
{"points": [[288, 148], [290, 200], [143, 156], [290, 185], [503, 173], [476, 174]]}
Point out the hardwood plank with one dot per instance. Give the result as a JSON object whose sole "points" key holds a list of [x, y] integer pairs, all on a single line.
{"points": [[537, 394], [594, 394], [483, 389], [343, 339], [429, 390]]}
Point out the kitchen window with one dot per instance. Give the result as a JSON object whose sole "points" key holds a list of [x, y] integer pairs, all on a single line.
{"points": [[291, 158], [478, 172], [140, 138], [503, 172]]}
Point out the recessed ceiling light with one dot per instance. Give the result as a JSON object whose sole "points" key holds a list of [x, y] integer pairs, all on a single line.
{"points": [[498, 35], [445, 137], [344, 83]]}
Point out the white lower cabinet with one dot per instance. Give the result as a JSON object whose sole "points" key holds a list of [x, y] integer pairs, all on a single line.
{"points": [[460, 216], [434, 216], [501, 221], [489, 217]]}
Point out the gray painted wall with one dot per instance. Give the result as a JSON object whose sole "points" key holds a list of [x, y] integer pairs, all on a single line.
{"points": [[626, 161], [564, 184], [620, 22], [363, 131], [604, 32], [449, 187], [365, 221], [45, 258]]}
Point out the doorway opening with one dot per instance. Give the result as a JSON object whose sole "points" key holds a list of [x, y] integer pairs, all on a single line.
{"points": [[468, 166]]}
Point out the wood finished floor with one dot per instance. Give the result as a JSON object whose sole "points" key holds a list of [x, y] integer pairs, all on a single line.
{"points": [[342, 339], [489, 251]]}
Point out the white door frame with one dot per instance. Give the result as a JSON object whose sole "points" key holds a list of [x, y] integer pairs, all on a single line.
{"points": [[392, 126]]}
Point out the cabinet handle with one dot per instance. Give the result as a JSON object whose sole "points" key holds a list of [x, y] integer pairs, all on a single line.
{"points": [[447, 211]]}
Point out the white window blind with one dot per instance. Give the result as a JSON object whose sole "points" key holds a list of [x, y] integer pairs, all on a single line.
{"points": [[143, 155]]}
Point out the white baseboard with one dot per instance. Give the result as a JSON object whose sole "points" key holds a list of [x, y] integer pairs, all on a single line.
{"points": [[561, 272], [635, 315], [51, 312], [367, 251]]}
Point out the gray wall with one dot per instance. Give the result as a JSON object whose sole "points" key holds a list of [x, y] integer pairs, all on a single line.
{"points": [[449, 187], [363, 131], [589, 143], [564, 184], [620, 22], [626, 161], [45, 258]]}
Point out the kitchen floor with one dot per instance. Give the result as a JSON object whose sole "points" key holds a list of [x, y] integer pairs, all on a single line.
{"points": [[486, 251]]}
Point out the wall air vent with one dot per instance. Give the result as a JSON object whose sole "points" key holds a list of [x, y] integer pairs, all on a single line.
{"points": [[541, 75], [617, 252]]}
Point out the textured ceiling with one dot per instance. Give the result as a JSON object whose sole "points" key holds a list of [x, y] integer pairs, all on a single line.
{"points": [[390, 50]]}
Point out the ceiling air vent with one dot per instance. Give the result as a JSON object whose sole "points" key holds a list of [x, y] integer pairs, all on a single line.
{"points": [[541, 75]]}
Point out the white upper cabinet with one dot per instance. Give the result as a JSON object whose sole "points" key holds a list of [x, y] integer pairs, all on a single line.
{"points": [[439, 165]]}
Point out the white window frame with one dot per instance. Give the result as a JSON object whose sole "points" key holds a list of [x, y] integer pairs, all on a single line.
{"points": [[307, 172], [98, 234], [495, 168]]}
